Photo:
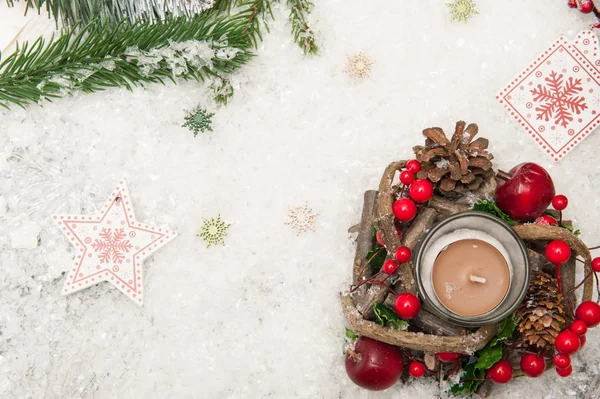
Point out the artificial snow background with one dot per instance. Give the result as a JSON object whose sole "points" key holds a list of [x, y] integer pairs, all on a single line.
{"points": [[260, 316]]}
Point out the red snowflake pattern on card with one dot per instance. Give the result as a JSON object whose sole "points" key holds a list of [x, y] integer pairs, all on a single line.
{"points": [[556, 99], [111, 246]]}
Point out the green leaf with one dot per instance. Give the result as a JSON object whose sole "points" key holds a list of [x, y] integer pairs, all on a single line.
{"points": [[386, 316], [468, 383], [571, 229], [378, 260], [488, 356], [374, 231], [351, 335], [506, 330], [490, 207]]}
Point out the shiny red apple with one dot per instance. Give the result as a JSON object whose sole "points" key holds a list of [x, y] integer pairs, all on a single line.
{"points": [[526, 193], [374, 365]]}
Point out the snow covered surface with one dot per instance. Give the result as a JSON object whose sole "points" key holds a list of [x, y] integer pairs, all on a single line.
{"points": [[260, 316]]}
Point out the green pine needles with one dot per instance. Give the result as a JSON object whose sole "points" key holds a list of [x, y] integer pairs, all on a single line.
{"points": [[206, 46], [97, 56], [200, 120]]}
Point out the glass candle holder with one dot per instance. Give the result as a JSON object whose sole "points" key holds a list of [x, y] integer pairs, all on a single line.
{"points": [[473, 225]]}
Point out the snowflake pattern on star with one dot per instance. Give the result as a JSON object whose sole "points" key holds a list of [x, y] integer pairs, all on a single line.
{"points": [[555, 99], [213, 231], [359, 66], [301, 219], [462, 10], [111, 246]]}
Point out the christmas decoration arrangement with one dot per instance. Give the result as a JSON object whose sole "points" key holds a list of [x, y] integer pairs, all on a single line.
{"points": [[200, 120], [124, 43], [111, 246], [465, 274], [556, 98]]}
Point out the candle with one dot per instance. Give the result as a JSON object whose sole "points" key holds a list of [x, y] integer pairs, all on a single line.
{"points": [[470, 277], [471, 269]]}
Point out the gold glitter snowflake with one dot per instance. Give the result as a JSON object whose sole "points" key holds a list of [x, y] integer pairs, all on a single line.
{"points": [[301, 218], [359, 66], [462, 10], [213, 231]]}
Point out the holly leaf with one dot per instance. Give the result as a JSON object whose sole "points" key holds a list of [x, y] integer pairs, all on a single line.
{"points": [[571, 229], [470, 381], [506, 330], [386, 316], [490, 207], [351, 335], [378, 260], [488, 356]]}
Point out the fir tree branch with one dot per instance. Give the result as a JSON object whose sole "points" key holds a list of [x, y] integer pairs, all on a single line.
{"points": [[96, 57], [303, 35]]}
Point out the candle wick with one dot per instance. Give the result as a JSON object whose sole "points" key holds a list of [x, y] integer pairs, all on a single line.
{"points": [[477, 279]]}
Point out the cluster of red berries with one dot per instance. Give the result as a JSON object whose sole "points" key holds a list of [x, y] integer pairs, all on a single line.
{"points": [[419, 190], [567, 342]]}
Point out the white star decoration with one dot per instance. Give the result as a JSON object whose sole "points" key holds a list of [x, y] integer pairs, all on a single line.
{"points": [[111, 246]]}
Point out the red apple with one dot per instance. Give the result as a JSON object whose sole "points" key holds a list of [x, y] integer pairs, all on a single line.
{"points": [[374, 365], [527, 193]]}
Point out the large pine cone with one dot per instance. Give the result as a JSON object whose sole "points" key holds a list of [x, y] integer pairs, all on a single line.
{"points": [[542, 314], [459, 164]]}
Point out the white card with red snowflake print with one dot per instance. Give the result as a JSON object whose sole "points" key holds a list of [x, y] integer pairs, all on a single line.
{"points": [[111, 246], [556, 99]]}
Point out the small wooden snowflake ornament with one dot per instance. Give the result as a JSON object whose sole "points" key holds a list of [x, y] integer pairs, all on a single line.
{"points": [[359, 66], [301, 219], [213, 231], [111, 246], [462, 10]]}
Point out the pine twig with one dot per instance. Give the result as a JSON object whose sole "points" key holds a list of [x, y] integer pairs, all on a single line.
{"points": [[96, 57], [303, 34]]}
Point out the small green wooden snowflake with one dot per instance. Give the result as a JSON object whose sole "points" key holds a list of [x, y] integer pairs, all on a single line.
{"points": [[462, 10], [200, 120], [213, 231]]}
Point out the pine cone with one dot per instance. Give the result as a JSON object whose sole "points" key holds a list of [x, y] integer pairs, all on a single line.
{"points": [[459, 164], [542, 314]]}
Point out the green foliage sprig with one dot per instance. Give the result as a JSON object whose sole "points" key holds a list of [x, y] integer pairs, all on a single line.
{"points": [[491, 208], [486, 358], [97, 56], [386, 316]]}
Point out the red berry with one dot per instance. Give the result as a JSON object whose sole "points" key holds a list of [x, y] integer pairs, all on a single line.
{"points": [[586, 6], [581, 341], [533, 365], [403, 254], [564, 372], [389, 266], [562, 361], [416, 369], [546, 220], [560, 202], [589, 312], [407, 177], [567, 342], [596, 265], [558, 252], [421, 190], [448, 357], [404, 209], [413, 165], [501, 372], [572, 3], [407, 306], [379, 239], [578, 327]]}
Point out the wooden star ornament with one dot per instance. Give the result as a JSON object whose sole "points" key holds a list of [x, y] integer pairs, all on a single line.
{"points": [[111, 246]]}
